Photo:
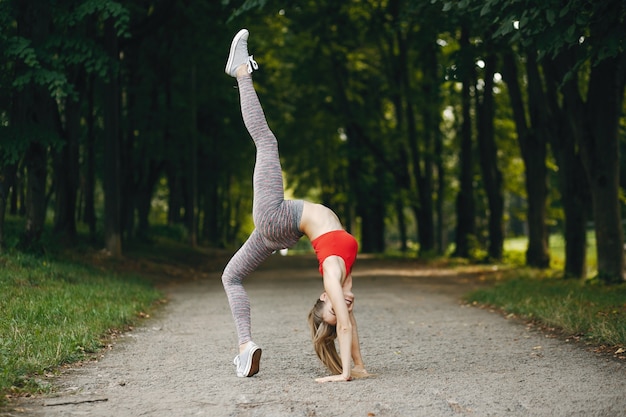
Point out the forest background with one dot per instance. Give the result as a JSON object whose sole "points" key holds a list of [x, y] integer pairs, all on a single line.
{"points": [[431, 127]]}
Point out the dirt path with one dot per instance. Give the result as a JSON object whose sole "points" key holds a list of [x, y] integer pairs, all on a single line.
{"points": [[432, 355]]}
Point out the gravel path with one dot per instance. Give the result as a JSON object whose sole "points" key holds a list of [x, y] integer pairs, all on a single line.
{"points": [[432, 356]]}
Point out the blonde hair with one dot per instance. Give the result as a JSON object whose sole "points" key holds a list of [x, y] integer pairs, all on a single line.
{"points": [[324, 335]]}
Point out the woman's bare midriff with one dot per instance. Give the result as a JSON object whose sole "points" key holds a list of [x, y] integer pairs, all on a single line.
{"points": [[318, 219]]}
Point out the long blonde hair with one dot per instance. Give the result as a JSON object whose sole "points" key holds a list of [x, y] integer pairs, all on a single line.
{"points": [[324, 335]]}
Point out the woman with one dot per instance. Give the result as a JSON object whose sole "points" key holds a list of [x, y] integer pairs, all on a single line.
{"points": [[279, 224]]}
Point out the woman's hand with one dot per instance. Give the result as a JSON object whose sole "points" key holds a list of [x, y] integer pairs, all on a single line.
{"points": [[359, 372], [333, 378]]}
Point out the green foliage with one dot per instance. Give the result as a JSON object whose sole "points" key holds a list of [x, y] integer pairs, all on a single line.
{"points": [[104, 9], [553, 26], [48, 63], [54, 312], [247, 6], [83, 52], [16, 140], [21, 49], [330, 83]]}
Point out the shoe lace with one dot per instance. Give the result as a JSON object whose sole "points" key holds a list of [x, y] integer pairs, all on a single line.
{"points": [[251, 64]]}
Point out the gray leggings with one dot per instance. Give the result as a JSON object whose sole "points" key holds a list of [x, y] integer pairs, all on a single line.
{"points": [[276, 220]]}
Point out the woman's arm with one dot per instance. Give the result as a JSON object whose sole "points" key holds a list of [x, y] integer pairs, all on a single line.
{"points": [[334, 268], [359, 370], [356, 347]]}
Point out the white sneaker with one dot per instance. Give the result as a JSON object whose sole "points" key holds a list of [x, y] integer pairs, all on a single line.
{"points": [[249, 361], [239, 54]]}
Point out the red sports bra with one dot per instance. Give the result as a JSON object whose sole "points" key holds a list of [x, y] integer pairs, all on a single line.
{"points": [[339, 243]]}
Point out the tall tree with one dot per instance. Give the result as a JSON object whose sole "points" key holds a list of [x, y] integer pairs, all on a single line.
{"points": [[89, 165], [430, 109], [600, 155], [33, 115], [4, 191], [575, 193], [112, 151], [598, 30], [66, 164], [488, 152], [532, 138], [465, 206]]}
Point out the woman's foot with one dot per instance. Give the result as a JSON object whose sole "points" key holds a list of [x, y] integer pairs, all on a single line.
{"points": [[248, 361], [239, 55]]}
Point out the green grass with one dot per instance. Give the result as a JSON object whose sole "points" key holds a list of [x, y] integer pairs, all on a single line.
{"points": [[54, 312], [595, 312]]}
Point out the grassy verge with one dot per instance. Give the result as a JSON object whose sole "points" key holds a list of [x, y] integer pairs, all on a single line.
{"points": [[594, 313], [589, 311], [54, 312]]}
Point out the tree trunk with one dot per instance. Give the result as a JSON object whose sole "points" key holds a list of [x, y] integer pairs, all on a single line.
{"points": [[7, 179], [373, 224], [33, 111], [535, 153], [89, 213], [575, 193], [399, 205], [192, 175], [4, 191], [18, 196], [421, 162], [212, 214], [370, 197], [465, 208], [533, 149], [431, 116], [129, 165], [366, 197], [488, 151], [441, 192], [67, 172], [211, 192], [36, 159], [143, 198], [112, 183], [400, 157], [575, 198], [600, 154]]}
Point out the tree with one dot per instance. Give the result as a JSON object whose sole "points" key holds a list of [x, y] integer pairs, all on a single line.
{"points": [[596, 31], [532, 137], [50, 59], [33, 112], [112, 153], [575, 193], [465, 206], [488, 152]]}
